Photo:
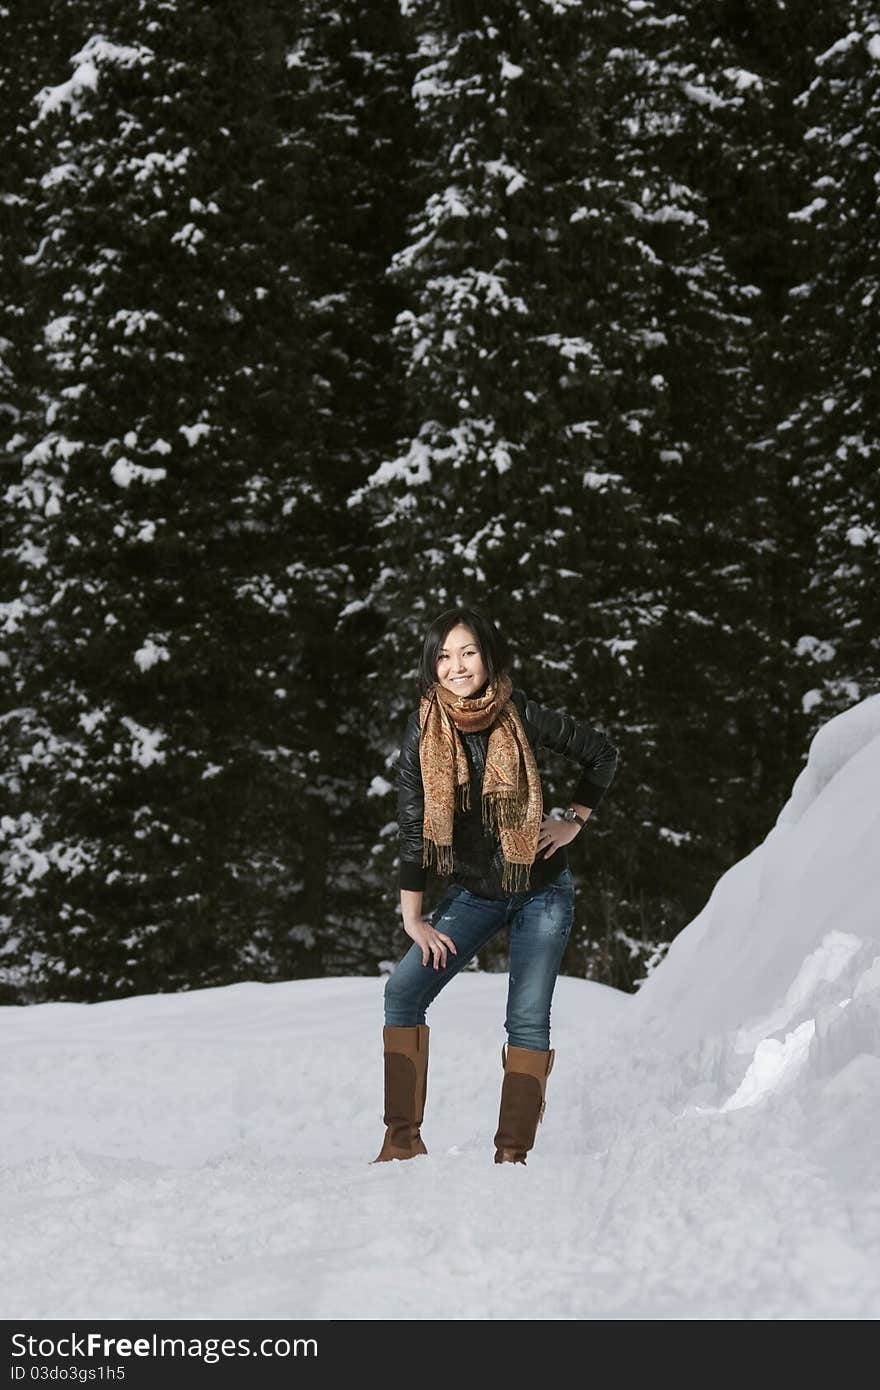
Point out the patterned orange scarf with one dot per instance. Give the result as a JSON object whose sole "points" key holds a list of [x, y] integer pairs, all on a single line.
{"points": [[512, 800]]}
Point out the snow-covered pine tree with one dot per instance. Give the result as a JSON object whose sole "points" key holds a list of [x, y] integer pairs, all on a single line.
{"points": [[759, 58], [833, 327], [34, 41], [177, 522], [717, 86], [347, 117], [570, 335]]}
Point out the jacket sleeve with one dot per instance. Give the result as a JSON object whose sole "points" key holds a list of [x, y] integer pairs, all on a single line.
{"points": [[410, 808], [580, 742]]}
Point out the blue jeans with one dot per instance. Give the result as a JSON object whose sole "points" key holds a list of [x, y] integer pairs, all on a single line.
{"points": [[540, 924]]}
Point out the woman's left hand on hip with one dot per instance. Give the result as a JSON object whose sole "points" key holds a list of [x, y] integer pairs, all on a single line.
{"points": [[554, 833]]}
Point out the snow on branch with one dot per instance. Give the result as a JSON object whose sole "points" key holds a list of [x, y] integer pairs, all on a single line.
{"points": [[97, 51]]}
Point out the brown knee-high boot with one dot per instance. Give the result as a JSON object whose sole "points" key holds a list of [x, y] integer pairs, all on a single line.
{"points": [[522, 1101], [406, 1088]]}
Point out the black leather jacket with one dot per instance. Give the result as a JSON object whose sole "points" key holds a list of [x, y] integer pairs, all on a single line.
{"points": [[477, 852]]}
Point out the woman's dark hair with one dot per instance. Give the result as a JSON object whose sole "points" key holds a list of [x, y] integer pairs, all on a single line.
{"points": [[493, 646]]}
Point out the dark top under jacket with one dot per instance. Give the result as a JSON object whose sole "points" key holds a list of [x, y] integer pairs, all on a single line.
{"points": [[477, 852]]}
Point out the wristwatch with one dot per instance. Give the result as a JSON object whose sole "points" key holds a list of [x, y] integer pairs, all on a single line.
{"points": [[571, 814]]}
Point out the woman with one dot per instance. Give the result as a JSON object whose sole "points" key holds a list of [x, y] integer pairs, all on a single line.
{"points": [[470, 801]]}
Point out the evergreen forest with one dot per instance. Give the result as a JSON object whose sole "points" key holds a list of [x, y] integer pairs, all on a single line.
{"points": [[319, 318]]}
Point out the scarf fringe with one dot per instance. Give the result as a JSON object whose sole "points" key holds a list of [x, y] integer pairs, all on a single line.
{"points": [[441, 855], [515, 878], [503, 812]]}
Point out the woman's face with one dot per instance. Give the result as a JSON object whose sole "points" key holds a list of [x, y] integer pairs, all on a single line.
{"points": [[459, 663]]}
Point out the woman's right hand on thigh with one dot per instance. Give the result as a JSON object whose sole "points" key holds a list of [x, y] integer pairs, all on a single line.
{"points": [[434, 944]]}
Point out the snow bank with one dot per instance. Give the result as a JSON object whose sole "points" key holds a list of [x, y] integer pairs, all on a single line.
{"points": [[779, 976]]}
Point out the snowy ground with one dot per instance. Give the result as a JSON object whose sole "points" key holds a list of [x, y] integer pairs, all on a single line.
{"points": [[710, 1148]]}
